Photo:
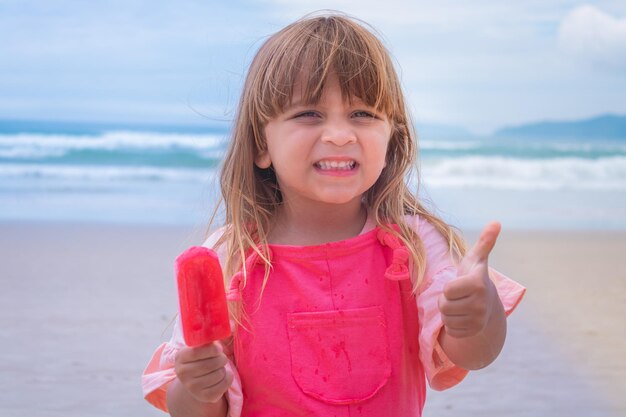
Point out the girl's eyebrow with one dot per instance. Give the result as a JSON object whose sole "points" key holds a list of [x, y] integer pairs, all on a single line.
{"points": [[357, 102]]}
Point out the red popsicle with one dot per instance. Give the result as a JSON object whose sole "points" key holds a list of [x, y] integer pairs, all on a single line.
{"points": [[203, 309]]}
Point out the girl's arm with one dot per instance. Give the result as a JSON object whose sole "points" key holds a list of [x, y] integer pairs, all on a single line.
{"points": [[473, 316]]}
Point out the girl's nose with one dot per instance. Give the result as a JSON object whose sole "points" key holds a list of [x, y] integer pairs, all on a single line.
{"points": [[338, 135]]}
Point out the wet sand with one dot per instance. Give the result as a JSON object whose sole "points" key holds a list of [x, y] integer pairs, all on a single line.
{"points": [[565, 347], [82, 306]]}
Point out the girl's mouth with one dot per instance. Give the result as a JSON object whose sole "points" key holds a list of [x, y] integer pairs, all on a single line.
{"points": [[334, 165]]}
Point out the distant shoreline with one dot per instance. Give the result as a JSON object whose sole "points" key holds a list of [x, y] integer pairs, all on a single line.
{"points": [[8, 126], [604, 126]]}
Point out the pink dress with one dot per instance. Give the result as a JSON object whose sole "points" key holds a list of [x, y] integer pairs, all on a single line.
{"points": [[337, 331]]}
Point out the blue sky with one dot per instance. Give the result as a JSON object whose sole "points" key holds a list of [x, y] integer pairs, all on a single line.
{"points": [[482, 64]]}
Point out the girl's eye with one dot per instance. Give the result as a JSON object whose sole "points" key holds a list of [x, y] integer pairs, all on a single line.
{"points": [[363, 113], [305, 114]]}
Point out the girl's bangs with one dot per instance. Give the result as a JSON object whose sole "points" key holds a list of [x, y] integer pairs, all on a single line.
{"points": [[305, 62]]}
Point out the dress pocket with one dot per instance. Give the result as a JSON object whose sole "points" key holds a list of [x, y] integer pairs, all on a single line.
{"points": [[340, 356]]}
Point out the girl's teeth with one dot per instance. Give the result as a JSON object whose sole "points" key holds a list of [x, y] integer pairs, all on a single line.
{"points": [[340, 165]]}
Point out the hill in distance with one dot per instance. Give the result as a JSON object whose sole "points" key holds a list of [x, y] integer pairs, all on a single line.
{"points": [[607, 126]]}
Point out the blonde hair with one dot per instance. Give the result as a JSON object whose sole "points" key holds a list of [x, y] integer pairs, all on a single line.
{"points": [[319, 46]]}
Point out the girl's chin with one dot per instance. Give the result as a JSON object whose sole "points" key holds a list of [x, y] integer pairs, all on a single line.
{"points": [[344, 200]]}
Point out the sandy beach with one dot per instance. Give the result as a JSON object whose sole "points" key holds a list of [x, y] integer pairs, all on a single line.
{"points": [[82, 306]]}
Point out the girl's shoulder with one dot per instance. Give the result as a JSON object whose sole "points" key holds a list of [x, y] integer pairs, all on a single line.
{"points": [[432, 240], [436, 246], [214, 237], [424, 229], [211, 242]]}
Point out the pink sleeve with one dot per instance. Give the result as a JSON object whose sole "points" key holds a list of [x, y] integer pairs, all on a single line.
{"points": [[440, 371], [160, 370]]}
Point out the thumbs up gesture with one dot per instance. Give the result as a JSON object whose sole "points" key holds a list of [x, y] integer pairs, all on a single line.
{"points": [[467, 302]]}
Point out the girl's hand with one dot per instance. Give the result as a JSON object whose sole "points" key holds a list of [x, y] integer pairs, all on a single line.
{"points": [[467, 301], [202, 373]]}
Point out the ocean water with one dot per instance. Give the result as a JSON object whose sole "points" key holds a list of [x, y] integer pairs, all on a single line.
{"points": [[165, 177]]}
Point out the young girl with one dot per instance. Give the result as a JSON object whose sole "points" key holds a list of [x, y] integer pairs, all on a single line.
{"points": [[346, 293]]}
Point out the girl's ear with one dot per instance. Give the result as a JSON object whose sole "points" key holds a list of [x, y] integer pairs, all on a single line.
{"points": [[263, 160]]}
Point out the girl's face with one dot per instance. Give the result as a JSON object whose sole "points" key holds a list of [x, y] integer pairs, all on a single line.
{"points": [[327, 153]]}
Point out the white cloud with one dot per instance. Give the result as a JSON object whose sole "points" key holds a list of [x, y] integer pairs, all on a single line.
{"points": [[594, 36]]}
